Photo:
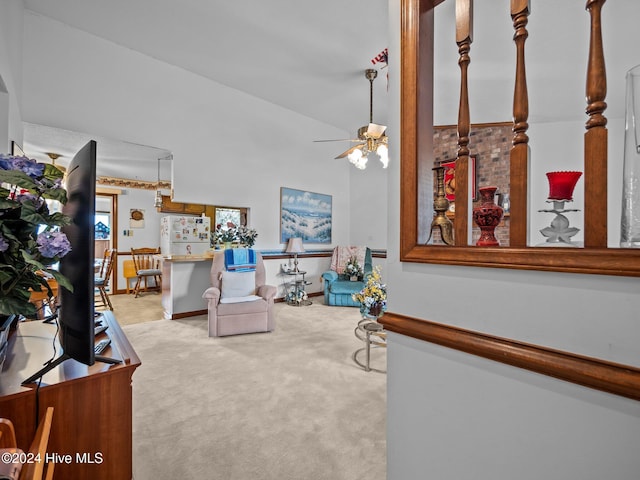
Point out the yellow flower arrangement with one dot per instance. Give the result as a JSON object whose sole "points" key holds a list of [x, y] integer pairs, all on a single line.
{"points": [[373, 297]]}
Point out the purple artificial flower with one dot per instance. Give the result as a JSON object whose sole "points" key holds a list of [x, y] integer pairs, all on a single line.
{"points": [[52, 244], [30, 167], [6, 163], [4, 245], [36, 200]]}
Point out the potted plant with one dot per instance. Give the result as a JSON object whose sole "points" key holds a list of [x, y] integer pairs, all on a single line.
{"points": [[247, 236], [226, 234], [353, 269], [31, 242]]}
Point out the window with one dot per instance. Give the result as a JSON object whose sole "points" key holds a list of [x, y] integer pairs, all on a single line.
{"points": [[237, 216]]}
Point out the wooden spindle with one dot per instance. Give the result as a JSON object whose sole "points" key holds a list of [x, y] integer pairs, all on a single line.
{"points": [[519, 155], [464, 37], [596, 136]]}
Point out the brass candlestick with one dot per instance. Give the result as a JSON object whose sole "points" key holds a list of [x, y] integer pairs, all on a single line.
{"points": [[440, 206]]}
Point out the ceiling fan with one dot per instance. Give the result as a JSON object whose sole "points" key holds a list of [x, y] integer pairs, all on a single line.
{"points": [[371, 138]]}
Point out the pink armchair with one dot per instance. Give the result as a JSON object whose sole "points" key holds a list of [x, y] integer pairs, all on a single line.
{"points": [[236, 302]]}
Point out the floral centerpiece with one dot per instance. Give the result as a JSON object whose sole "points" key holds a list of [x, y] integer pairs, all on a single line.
{"points": [[373, 297], [30, 239], [353, 269], [247, 236], [225, 234]]}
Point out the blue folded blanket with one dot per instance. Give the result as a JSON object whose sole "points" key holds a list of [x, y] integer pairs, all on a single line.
{"points": [[240, 259]]}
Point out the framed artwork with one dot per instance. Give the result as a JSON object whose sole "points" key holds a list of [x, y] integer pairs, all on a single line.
{"points": [[306, 215], [450, 179], [136, 218]]}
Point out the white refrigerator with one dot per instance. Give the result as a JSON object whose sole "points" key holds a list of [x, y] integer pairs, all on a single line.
{"points": [[184, 235]]}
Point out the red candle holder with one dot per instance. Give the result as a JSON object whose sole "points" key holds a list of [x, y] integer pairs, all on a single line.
{"points": [[561, 185]]}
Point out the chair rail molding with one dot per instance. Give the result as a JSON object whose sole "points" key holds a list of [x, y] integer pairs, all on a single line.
{"points": [[615, 378]]}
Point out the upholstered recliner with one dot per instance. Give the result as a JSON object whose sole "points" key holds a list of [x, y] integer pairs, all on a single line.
{"points": [[338, 288], [239, 301]]}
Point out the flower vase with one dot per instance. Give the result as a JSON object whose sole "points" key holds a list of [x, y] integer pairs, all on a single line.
{"points": [[228, 245], [630, 219], [374, 310], [487, 216], [353, 278]]}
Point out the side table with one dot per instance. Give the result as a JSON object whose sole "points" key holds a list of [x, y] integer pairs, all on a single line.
{"points": [[296, 294], [372, 334]]}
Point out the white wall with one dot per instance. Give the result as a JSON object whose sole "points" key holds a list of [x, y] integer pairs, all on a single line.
{"points": [[451, 415], [368, 203], [11, 14], [464, 418]]}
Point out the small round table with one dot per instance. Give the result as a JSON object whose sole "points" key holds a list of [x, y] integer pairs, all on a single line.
{"points": [[372, 334]]}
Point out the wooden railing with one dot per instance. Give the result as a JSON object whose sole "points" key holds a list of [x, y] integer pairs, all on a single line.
{"points": [[417, 22]]}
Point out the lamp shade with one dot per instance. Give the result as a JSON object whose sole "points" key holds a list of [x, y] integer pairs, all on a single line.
{"points": [[294, 245], [561, 185]]}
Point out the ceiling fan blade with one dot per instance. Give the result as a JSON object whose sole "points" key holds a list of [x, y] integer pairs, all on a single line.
{"points": [[344, 154], [375, 131]]}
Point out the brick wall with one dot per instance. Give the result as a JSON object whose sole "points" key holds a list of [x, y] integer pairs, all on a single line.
{"points": [[491, 144]]}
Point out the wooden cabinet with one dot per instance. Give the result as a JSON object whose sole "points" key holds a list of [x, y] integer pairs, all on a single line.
{"points": [[92, 424], [168, 206]]}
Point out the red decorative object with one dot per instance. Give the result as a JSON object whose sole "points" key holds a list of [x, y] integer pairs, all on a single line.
{"points": [[487, 216], [561, 185], [450, 179]]}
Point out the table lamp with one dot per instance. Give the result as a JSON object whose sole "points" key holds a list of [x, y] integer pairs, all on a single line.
{"points": [[294, 245]]}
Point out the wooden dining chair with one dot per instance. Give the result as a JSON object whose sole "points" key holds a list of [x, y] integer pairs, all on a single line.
{"points": [[147, 266], [101, 282], [37, 470]]}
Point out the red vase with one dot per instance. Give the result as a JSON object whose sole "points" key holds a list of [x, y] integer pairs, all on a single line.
{"points": [[487, 216]]}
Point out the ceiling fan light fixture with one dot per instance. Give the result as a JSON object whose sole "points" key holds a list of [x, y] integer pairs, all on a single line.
{"points": [[372, 136], [383, 153], [355, 155], [358, 159]]}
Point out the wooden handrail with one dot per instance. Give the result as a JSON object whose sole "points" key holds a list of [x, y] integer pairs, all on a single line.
{"points": [[618, 379]]}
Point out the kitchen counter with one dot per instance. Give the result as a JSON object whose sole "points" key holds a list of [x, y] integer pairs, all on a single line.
{"points": [[184, 280], [185, 258]]}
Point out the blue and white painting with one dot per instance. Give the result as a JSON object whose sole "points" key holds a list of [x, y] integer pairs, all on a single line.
{"points": [[306, 215]]}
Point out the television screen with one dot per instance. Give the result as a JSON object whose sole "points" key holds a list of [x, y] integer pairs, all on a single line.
{"points": [[76, 317], [76, 313]]}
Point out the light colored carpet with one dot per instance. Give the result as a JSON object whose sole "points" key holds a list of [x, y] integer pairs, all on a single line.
{"points": [[129, 310], [289, 404]]}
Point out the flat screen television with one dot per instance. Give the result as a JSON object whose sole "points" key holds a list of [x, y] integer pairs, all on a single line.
{"points": [[75, 315], [76, 320]]}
